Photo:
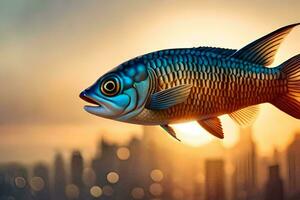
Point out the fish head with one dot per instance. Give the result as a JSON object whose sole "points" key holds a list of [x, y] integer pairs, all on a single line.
{"points": [[119, 94]]}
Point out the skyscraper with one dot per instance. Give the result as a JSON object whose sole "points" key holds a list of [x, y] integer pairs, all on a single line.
{"points": [[293, 162], [40, 182], [59, 178], [76, 169], [214, 180], [274, 187], [105, 162], [244, 162], [76, 177]]}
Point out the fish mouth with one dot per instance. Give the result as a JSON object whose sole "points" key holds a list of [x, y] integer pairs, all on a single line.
{"points": [[83, 95], [100, 106]]}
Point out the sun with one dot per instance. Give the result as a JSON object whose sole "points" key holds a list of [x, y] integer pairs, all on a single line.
{"points": [[193, 134]]}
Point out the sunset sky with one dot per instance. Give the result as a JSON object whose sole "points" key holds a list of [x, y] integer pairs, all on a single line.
{"points": [[51, 50]]}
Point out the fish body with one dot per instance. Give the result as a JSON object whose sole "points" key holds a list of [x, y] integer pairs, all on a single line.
{"points": [[178, 85], [220, 85]]}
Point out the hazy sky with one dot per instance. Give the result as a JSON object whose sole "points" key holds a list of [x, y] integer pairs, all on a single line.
{"points": [[51, 50]]}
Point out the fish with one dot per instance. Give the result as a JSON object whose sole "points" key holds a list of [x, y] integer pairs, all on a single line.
{"points": [[200, 84]]}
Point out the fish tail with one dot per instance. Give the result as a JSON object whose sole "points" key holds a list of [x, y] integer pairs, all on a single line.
{"points": [[289, 102]]}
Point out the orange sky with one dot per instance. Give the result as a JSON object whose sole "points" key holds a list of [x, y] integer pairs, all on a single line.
{"points": [[52, 50]]}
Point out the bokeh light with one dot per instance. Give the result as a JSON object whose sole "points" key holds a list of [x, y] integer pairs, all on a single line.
{"points": [[156, 189], [20, 182], [123, 153], [138, 193], [37, 183], [156, 175], [72, 191], [112, 177], [96, 191]]}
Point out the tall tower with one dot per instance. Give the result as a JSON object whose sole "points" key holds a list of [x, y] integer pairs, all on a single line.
{"points": [[244, 161], [293, 162], [214, 180], [77, 169], [40, 182], [274, 186], [59, 178]]}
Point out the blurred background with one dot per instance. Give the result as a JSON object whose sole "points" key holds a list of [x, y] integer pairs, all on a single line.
{"points": [[51, 149]]}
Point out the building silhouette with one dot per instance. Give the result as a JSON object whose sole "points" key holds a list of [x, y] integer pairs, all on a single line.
{"points": [[106, 161], [59, 182], [14, 182], [138, 167], [293, 164], [40, 182], [274, 188], [214, 180], [76, 168], [134, 171], [244, 160], [77, 165]]}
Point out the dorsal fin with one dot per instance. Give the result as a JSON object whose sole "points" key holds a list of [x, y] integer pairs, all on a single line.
{"points": [[263, 50]]}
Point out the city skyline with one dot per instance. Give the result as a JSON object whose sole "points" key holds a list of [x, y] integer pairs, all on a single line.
{"points": [[145, 169]]}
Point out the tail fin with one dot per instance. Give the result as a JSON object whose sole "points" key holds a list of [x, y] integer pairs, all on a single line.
{"points": [[290, 102]]}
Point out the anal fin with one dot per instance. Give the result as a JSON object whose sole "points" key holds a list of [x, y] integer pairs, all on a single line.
{"points": [[170, 130], [213, 126], [245, 116]]}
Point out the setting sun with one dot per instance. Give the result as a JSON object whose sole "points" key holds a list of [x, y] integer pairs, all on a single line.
{"points": [[193, 134]]}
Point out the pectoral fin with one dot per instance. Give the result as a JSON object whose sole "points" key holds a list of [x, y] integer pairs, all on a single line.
{"points": [[213, 126], [170, 130], [169, 97], [245, 116]]}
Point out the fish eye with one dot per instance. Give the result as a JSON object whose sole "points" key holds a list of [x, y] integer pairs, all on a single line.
{"points": [[110, 86]]}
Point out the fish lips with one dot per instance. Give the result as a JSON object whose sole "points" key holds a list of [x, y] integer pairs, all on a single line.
{"points": [[84, 96], [101, 107], [96, 108]]}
